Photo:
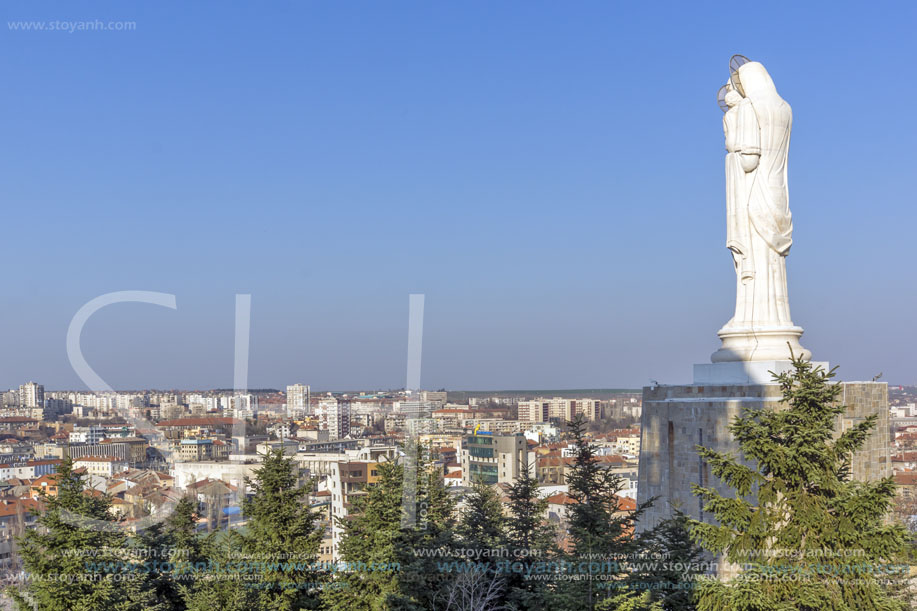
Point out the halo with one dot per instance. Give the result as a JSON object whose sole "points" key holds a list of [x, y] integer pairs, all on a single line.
{"points": [[736, 62], [721, 97]]}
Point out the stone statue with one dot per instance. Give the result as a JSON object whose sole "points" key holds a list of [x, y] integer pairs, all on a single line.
{"points": [[759, 226]]}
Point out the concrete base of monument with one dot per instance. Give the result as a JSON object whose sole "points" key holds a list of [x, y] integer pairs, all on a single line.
{"points": [[759, 344], [744, 372], [679, 417]]}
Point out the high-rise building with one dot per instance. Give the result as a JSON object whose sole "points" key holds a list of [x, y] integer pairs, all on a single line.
{"points": [[535, 410], [31, 395], [338, 419], [299, 397]]}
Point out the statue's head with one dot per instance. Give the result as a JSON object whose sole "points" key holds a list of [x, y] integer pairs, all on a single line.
{"points": [[727, 97], [755, 82]]}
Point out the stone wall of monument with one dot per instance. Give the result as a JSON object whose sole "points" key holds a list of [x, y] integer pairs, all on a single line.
{"points": [[862, 399], [676, 419]]}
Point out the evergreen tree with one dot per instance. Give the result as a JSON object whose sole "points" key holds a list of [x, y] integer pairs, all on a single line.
{"points": [[181, 528], [530, 544], [668, 564], [478, 581], [372, 548], [393, 552], [224, 584], [183, 549], [809, 537], [153, 545], [281, 537], [430, 539], [482, 527], [77, 558], [600, 530]]}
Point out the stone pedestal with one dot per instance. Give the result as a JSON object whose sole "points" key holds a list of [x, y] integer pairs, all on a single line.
{"points": [[759, 343], [677, 418]]}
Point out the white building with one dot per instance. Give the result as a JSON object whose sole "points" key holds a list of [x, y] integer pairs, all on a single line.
{"points": [[31, 395], [299, 397], [240, 406], [88, 434], [338, 419], [104, 466], [558, 408], [230, 472]]}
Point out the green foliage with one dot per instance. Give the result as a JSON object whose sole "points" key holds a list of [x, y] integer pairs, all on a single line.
{"points": [[76, 559], [668, 565], [530, 542], [184, 549], [433, 534], [483, 524], [601, 531], [372, 548], [392, 560], [808, 536], [222, 585], [281, 533]]}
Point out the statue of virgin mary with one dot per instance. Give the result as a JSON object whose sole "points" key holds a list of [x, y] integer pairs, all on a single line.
{"points": [[757, 125]]}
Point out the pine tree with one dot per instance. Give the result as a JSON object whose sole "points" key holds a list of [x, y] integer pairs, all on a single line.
{"points": [[424, 544], [478, 582], [223, 585], [808, 536], [600, 529], [282, 533], [530, 544], [181, 528], [482, 527], [668, 564], [183, 548], [77, 558], [153, 545], [372, 548]]}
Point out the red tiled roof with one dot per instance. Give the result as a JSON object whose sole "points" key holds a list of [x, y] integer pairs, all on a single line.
{"points": [[561, 498], [9, 507]]}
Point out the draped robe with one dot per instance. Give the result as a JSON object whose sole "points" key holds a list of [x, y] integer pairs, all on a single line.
{"points": [[760, 225]]}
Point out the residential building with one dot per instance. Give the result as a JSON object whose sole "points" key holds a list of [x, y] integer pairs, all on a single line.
{"points": [[338, 418], [31, 395], [104, 466], [493, 458], [299, 400]]}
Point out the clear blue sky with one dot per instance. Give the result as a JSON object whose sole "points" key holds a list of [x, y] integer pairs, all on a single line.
{"points": [[549, 174]]}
